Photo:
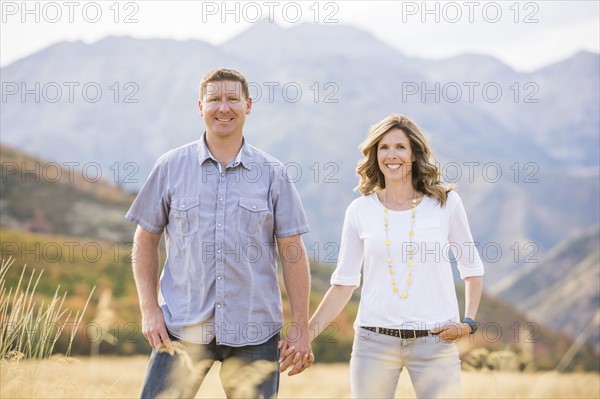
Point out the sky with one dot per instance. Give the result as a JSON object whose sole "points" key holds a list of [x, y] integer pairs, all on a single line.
{"points": [[526, 35]]}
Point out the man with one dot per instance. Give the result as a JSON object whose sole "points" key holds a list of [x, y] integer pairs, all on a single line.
{"points": [[226, 209]]}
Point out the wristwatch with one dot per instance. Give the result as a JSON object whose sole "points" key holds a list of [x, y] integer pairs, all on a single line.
{"points": [[471, 324]]}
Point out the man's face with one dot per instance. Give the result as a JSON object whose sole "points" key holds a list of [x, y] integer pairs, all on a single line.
{"points": [[224, 108]]}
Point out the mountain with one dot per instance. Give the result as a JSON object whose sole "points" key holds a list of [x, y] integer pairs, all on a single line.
{"points": [[562, 290], [532, 104], [581, 126], [282, 44], [523, 147]]}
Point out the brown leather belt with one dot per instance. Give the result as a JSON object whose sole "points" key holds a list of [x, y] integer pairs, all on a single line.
{"points": [[403, 334]]}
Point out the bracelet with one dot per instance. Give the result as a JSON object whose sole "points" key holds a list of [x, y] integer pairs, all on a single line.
{"points": [[471, 324]]}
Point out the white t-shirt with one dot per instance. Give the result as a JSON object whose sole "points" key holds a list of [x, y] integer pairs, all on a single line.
{"points": [[431, 300]]}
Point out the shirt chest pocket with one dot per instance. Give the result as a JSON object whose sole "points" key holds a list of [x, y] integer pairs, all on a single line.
{"points": [[252, 214], [185, 215]]}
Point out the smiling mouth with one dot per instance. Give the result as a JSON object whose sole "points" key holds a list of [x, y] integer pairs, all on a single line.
{"points": [[393, 166], [224, 119]]}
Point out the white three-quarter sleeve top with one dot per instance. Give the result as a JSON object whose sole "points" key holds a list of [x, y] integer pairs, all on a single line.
{"points": [[431, 299]]}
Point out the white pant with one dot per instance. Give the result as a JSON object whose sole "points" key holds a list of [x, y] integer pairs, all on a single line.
{"points": [[377, 360]]}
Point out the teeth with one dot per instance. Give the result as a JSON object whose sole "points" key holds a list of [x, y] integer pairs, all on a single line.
{"points": [[394, 166]]}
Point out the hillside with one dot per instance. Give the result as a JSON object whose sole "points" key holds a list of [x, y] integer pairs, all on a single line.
{"points": [[561, 290], [61, 198]]}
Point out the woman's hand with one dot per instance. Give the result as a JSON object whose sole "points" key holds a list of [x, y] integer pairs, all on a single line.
{"points": [[452, 332]]}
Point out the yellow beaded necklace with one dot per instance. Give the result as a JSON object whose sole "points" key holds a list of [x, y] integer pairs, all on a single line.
{"points": [[409, 249]]}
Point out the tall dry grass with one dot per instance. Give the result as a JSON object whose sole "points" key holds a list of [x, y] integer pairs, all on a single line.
{"points": [[29, 328]]}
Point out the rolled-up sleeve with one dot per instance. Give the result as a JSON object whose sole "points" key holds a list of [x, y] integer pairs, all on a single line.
{"points": [[150, 209], [459, 235], [290, 219], [351, 253]]}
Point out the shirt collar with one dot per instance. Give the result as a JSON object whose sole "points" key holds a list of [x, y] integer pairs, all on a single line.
{"points": [[243, 157]]}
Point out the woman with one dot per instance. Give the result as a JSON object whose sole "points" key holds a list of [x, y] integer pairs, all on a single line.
{"points": [[402, 228]]}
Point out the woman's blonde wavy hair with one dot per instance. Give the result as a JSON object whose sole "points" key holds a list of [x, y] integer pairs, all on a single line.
{"points": [[425, 172]]}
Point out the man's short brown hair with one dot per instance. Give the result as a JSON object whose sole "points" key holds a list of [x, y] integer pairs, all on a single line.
{"points": [[224, 74]]}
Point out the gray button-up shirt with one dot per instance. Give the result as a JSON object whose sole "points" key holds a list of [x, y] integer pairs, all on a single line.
{"points": [[220, 276]]}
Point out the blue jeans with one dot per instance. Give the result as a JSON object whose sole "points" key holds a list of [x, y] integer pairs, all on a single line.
{"points": [[246, 372]]}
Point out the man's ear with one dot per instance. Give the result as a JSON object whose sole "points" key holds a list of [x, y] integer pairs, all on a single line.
{"points": [[248, 106], [200, 106]]}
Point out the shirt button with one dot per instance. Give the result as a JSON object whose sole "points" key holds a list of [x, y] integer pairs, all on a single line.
{"points": [[218, 251], [253, 206], [219, 224], [219, 306], [183, 206], [218, 277], [220, 199]]}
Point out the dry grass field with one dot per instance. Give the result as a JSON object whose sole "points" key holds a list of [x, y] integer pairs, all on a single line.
{"points": [[107, 377]]}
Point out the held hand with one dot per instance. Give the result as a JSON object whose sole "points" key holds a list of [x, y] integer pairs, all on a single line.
{"points": [[298, 359], [452, 332], [287, 355], [155, 330]]}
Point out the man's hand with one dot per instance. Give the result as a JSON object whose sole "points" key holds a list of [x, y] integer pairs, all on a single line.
{"points": [[298, 359], [155, 330], [296, 278], [144, 262]]}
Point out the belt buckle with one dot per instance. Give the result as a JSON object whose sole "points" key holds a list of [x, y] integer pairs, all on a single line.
{"points": [[414, 334]]}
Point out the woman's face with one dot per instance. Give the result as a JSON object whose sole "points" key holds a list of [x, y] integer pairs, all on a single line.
{"points": [[395, 157]]}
